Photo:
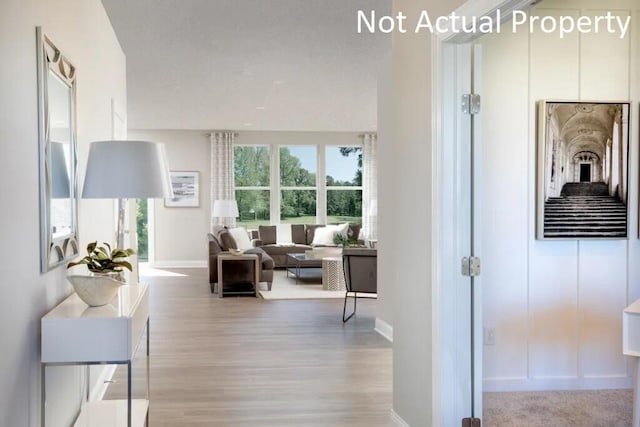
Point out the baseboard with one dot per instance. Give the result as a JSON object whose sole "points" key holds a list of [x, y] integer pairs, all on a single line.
{"points": [[101, 385], [179, 264], [556, 383], [397, 419], [384, 329]]}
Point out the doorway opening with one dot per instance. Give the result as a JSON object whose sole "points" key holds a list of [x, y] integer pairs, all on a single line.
{"points": [[142, 229], [585, 172]]}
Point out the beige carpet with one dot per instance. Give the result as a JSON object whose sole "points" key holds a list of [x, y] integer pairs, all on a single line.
{"points": [[284, 287], [589, 408]]}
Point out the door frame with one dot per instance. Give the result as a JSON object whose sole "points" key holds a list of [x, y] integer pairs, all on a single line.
{"points": [[446, 122]]}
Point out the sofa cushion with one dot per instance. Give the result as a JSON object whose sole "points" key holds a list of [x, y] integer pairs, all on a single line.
{"points": [[267, 261], [285, 249], [267, 234], [298, 234], [226, 240]]}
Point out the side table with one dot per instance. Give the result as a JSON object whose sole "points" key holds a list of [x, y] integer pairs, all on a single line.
{"points": [[226, 257], [333, 274]]}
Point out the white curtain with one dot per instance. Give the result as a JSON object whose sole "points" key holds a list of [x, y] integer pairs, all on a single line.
{"points": [[222, 182], [369, 187]]}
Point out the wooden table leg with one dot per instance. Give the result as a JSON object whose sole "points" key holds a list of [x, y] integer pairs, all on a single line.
{"points": [[220, 284]]}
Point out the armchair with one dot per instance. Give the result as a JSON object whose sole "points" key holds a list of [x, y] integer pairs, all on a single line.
{"points": [[360, 274]]}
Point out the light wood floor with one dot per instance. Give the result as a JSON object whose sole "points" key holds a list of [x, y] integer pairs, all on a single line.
{"points": [[243, 361]]}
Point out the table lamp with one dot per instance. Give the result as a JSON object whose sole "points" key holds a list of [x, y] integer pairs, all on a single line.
{"points": [[225, 209], [126, 169]]}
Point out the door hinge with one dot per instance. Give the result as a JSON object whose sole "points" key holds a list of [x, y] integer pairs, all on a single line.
{"points": [[471, 266], [471, 422], [471, 103]]}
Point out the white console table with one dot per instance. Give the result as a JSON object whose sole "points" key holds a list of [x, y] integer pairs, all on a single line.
{"points": [[75, 334], [631, 347]]}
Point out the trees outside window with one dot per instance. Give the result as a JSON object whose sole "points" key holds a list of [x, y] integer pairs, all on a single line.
{"points": [[344, 184], [297, 191], [298, 182], [252, 166]]}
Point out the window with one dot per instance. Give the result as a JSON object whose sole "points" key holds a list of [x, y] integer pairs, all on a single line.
{"points": [[344, 184], [298, 184], [285, 183], [252, 180]]}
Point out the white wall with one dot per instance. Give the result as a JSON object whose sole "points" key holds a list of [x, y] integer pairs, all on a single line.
{"points": [[384, 305], [412, 218], [181, 233], [83, 32], [555, 305]]}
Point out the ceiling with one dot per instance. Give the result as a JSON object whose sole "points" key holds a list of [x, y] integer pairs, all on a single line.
{"points": [[585, 127], [249, 64]]}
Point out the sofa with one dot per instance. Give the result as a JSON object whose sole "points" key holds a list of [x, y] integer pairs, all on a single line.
{"points": [[302, 240], [237, 272]]}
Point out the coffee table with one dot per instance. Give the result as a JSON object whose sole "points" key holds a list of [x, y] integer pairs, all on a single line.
{"points": [[304, 267]]}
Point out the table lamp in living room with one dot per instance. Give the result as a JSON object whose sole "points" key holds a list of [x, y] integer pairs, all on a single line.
{"points": [[225, 209]]}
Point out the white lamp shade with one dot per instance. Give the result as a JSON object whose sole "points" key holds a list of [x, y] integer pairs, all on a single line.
{"points": [[225, 209], [127, 169]]}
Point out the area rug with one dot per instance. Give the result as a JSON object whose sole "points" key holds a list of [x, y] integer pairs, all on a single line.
{"points": [[284, 287]]}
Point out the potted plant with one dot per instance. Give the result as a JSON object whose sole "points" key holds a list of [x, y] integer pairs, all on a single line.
{"points": [[343, 241], [106, 266], [103, 260]]}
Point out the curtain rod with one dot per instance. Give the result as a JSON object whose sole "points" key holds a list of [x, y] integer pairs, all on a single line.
{"points": [[221, 131]]}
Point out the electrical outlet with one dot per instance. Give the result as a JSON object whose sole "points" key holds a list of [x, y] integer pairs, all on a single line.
{"points": [[489, 336]]}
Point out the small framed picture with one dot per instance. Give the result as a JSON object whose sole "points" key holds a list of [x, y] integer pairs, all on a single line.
{"points": [[186, 190]]}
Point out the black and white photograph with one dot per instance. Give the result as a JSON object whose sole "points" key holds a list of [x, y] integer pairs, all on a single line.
{"points": [[583, 152], [185, 190]]}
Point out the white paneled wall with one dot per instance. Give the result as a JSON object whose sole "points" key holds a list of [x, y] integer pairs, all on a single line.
{"points": [[556, 306]]}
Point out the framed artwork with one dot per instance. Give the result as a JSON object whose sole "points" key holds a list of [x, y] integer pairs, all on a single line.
{"points": [[186, 191], [582, 170]]}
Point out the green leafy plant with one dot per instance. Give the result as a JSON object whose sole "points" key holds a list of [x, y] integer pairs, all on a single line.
{"points": [[101, 259], [343, 241]]}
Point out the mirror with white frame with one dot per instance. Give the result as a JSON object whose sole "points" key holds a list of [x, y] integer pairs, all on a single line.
{"points": [[58, 157]]}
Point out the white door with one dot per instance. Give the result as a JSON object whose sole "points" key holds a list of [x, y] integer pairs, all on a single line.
{"points": [[461, 317]]}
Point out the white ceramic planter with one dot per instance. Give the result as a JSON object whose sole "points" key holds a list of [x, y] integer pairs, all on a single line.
{"points": [[95, 290]]}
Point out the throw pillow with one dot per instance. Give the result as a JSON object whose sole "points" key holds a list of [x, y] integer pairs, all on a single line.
{"points": [[343, 229], [241, 237], [283, 234], [226, 240], [324, 236]]}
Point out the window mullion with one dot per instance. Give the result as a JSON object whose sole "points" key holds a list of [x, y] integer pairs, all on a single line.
{"points": [[275, 184], [321, 184]]}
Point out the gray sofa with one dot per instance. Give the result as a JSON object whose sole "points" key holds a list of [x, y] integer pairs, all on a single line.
{"points": [[301, 236]]}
